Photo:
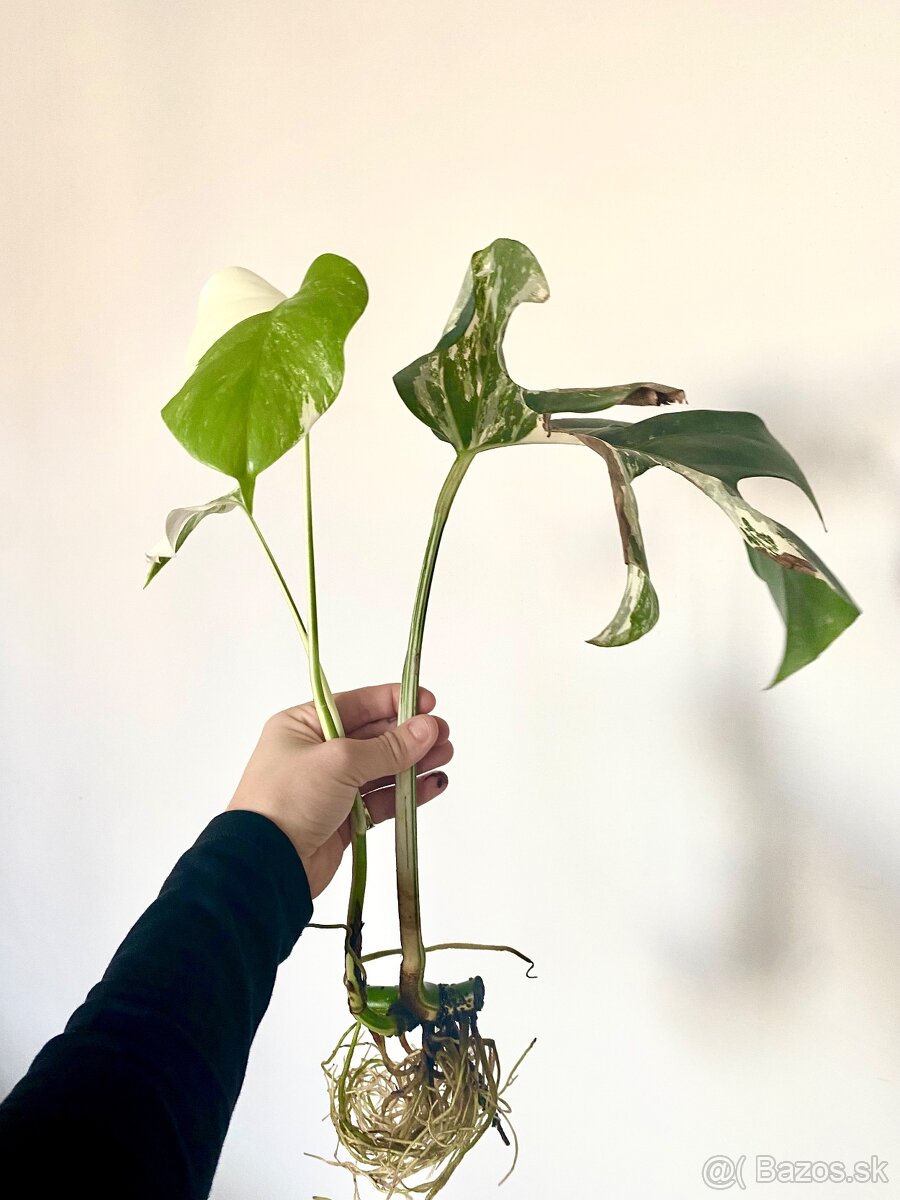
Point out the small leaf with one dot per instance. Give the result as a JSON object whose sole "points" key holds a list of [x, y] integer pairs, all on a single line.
{"points": [[180, 523], [715, 451], [262, 385], [462, 390], [638, 611]]}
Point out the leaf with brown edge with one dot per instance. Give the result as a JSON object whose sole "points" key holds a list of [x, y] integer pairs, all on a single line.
{"points": [[638, 610], [588, 400], [715, 451], [814, 612]]}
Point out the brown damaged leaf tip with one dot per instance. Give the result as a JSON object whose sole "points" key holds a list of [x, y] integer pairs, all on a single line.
{"points": [[655, 394]]}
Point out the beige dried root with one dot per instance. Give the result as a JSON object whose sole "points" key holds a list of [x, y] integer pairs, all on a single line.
{"points": [[406, 1126]]}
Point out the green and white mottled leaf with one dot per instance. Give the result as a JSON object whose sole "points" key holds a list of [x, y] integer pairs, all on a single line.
{"points": [[462, 390], [715, 451], [180, 523], [262, 385], [638, 611]]}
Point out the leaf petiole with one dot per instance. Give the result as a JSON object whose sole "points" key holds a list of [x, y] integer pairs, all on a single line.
{"points": [[412, 968], [332, 727]]}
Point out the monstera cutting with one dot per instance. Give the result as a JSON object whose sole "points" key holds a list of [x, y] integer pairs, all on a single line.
{"points": [[270, 367]]}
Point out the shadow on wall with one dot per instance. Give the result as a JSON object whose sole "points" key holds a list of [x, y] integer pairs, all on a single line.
{"points": [[815, 877], [810, 772]]}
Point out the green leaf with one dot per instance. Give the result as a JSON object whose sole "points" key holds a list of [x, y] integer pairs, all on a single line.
{"points": [[715, 451], [462, 390], [180, 523], [729, 445], [258, 390], [814, 613], [588, 400], [638, 611]]}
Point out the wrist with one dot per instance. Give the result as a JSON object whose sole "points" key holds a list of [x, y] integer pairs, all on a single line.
{"points": [[295, 836]]}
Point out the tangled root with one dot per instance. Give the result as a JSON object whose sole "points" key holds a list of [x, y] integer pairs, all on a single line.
{"points": [[407, 1125]]}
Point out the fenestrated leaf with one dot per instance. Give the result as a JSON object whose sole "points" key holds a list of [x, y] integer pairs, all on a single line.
{"points": [[715, 451], [638, 611], [462, 390], [180, 523], [257, 391], [729, 445]]}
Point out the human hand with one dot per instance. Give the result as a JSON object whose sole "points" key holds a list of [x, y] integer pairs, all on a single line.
{"points": [[307, 785]]}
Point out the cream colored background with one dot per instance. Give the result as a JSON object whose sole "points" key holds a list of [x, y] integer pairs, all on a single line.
{"points": [[706, 873]]}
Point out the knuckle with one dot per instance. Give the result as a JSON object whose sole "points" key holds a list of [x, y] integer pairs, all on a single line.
{"points": [[393, 743], [276, 721]]}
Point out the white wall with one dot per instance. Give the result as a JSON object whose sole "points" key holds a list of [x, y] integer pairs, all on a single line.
{"points": [[706, 873]]}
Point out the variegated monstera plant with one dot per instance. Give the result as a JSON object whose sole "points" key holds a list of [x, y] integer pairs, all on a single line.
{"points": [[269, 367]]}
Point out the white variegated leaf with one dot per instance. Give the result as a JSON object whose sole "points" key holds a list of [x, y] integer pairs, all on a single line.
{"points": [[260, 387], [180, 523], [462, 390]]}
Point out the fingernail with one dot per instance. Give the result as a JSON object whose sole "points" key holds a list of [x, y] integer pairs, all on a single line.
{"points": [[440, 781], [420, 728]]}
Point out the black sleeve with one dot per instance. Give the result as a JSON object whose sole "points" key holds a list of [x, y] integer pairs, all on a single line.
{"points": [[133, 1100]]}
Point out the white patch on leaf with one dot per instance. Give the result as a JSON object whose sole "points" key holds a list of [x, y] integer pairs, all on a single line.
{"points": [[462, 300], [639, 597], [226, 299], [758, 531], [179, 524], [556, 437]]}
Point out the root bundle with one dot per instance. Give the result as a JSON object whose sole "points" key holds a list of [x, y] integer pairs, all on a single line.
{"points": [[406, 1125]]}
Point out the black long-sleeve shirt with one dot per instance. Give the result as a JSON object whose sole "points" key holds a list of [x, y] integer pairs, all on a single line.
{"points": [[133, 1100]]}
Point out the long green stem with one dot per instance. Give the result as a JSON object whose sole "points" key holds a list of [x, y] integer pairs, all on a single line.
{"points": [[330, 725], [414, 995], [412, 968], [295, 612], [354, 971]]}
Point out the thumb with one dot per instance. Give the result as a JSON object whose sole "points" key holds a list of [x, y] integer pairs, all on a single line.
{"points": [[393, 751]]}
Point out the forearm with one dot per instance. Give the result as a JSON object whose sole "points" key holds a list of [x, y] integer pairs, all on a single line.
{"points": [[144, 1079]]}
